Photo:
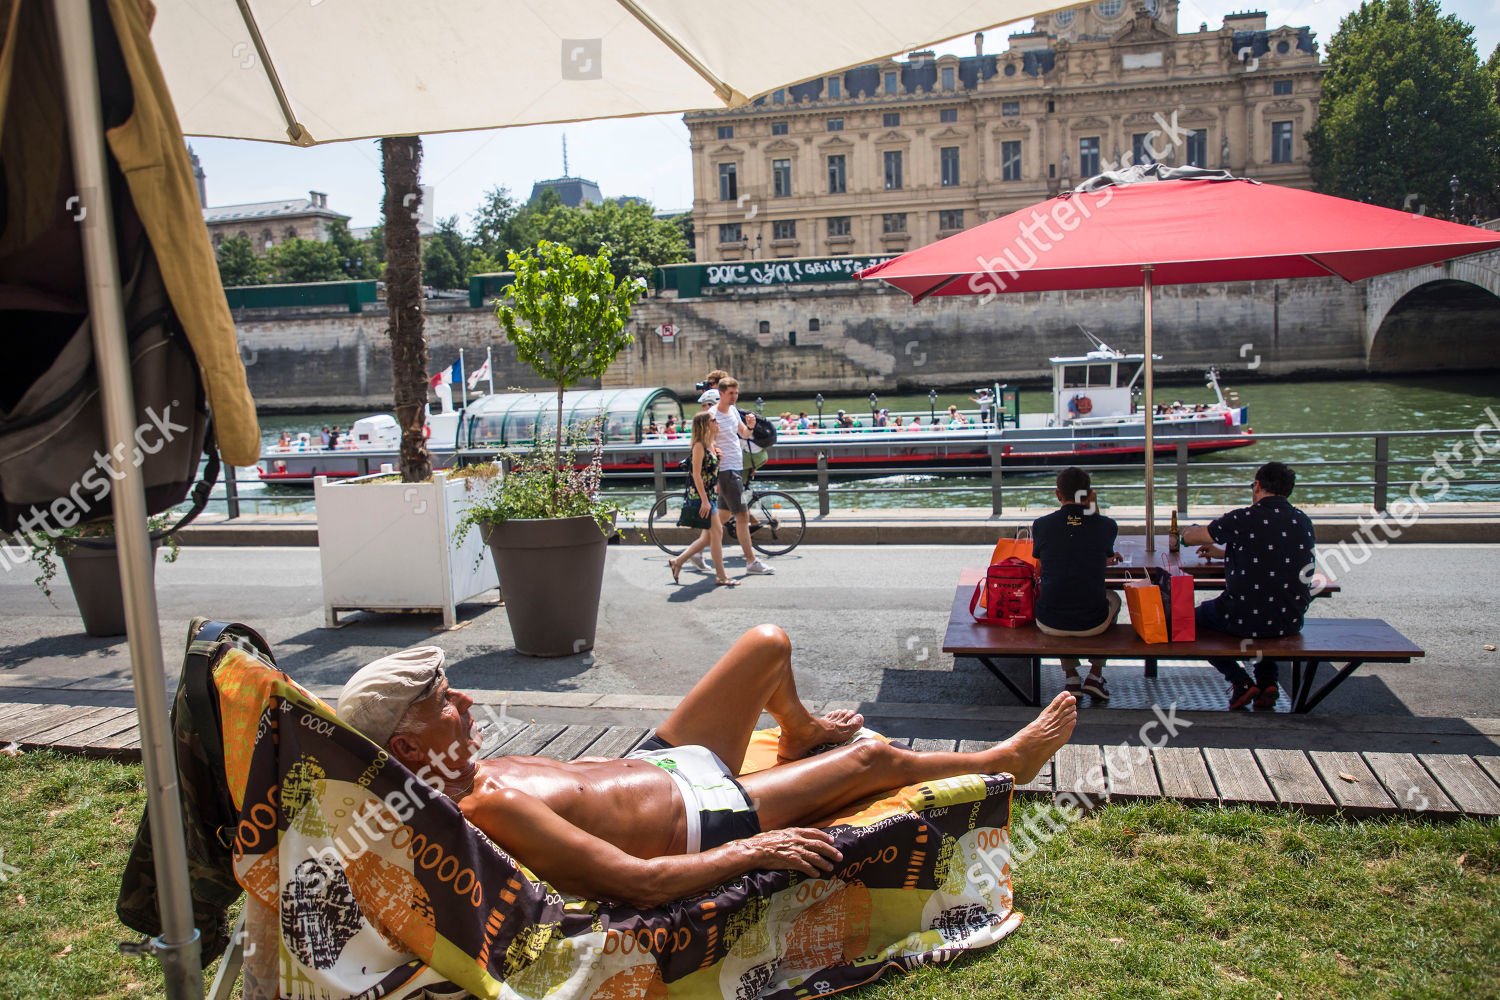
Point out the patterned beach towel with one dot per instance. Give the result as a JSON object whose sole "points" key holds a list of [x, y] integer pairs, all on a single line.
{"points": [[382, 889]]}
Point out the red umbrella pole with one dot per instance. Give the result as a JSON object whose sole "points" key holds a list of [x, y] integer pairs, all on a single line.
{"points": [[1148, 402]]}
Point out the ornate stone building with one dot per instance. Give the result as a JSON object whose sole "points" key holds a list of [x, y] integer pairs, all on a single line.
{"points": [[270, 223], [887, 157]]}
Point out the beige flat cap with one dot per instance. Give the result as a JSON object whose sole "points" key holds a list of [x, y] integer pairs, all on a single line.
{"points": [[378, 695]]}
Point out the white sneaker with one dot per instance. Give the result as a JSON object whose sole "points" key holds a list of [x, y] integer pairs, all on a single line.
{"points": [[697, 561], [759, 568]]}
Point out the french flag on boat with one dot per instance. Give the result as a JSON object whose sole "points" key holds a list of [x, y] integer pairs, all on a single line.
{"points": [[480, 374], [1236, 416], [448, 376]]}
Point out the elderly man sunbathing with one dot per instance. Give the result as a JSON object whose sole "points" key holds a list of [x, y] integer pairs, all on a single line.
{"points": [[675, 817]]}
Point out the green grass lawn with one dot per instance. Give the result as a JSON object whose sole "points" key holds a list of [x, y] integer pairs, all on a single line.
{"points": [[1133, 901]]}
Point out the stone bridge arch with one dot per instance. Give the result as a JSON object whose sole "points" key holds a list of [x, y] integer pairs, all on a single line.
{"points": [[1436, 317]]}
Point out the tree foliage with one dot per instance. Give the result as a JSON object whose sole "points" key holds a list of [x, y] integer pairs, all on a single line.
{"points": [[566, 315], [298, 260], [239, 264], [356, 258], [1406, 106], [637, 241]]}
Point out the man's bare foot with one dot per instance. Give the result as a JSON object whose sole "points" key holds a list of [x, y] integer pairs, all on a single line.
{"points": [[836, 727], [1024, 753]]}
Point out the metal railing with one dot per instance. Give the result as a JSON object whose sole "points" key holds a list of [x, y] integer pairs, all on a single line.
{"points": [[1173, 467]]}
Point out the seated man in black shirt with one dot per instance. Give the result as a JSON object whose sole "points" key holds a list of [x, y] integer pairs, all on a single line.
{"points": [[1074, 543], [1268, 554]]}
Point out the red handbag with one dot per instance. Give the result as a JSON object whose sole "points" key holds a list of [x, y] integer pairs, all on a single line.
{"points": [[1009, 592]]}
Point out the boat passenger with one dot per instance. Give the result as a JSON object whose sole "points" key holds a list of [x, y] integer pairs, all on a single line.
{"points": [[896, 423], [285, 444], [802, 422], [652, 429], [916, 423], [671, 426], [956, 421], [325, 436]]}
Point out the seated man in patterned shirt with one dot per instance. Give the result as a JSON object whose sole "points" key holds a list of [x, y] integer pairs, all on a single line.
{"points": [[1268, 556]]}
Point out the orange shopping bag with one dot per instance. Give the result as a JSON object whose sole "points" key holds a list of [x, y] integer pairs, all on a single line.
{"points": [[1147, 615], [1015, 548]]}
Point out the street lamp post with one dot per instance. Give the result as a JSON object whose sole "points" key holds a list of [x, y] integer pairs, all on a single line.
{"points": [[819, 400], [874, 413], [760, 405], [932, 404], [1453, 204]]}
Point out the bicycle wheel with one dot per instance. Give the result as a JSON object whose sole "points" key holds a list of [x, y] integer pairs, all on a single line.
{"points": [[662, 527], [782, 522]]}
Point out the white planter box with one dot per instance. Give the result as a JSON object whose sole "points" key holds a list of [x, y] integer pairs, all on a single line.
{"points": [[389, 547]]}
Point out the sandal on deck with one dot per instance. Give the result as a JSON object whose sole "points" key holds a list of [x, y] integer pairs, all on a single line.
{"points": [[1094, 685]]}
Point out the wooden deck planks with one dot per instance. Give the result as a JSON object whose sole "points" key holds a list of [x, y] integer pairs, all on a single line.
{"points": [[43, 721], [1237, 776], [1079, 768], [617, 741], [529, 741], [1294, 780], [1491, 766], [1464, 781], [1040, 785], [62, 735], [1183, 774], [1409, 785], [1130, 774], [15, 718], [1361, 797], [101, 730], [571, 742]]}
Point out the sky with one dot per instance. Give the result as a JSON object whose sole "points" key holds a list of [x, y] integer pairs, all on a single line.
{"points": [[647, 157]]}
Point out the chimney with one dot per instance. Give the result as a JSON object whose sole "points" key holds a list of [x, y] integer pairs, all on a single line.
{"points": [[979, 43], [312, 196]]}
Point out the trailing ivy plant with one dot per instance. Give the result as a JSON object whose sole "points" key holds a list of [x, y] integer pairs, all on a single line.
{"points": [[566, 315], [47, 548]]}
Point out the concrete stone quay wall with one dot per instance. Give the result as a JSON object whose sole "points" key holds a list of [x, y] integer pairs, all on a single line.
{"points": [[849, 338]]}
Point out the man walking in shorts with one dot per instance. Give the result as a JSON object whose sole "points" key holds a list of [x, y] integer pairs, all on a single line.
{"points": [[731, 468]]}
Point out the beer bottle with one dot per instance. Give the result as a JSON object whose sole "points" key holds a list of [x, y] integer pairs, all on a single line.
{"points": [[1174, 536]]}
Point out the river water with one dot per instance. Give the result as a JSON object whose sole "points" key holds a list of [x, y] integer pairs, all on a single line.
{"points": [[1451, 402]]}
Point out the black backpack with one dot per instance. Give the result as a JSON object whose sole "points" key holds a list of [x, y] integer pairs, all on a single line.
{"points": [[764, 431]]}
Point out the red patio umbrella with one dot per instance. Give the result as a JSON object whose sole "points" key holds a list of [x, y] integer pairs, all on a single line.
{"points": [[1153, 225]]}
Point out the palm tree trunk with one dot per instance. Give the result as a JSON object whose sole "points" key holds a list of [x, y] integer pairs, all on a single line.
{"points": [[401, 159]]}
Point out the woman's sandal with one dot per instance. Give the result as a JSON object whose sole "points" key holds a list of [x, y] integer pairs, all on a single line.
{"points": [[726, 582], [676, 570]]}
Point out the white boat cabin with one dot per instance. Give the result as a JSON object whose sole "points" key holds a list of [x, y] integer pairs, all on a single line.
{"points": [[1097, 386]]}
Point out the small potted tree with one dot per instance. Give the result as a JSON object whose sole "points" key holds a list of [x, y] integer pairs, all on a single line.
{"points": [[89, 557], [544, 521]]}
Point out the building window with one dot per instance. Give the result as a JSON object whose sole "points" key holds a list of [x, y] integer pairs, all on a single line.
{"points": [[836, 174], [1283, 47], [781, 178], [218, 239], [726, 131], [1088, 156], [291, 233], [948, 158], [893, 222], [890, 82], [765, 326], [1010, 109], [778, 97], [1281, 88], [835, 88], [893, 170], [891, 119], [1281, 142], [778, 128], [838, 225], [947, 77], [1010, 69], [950, 219], [1109, 8], [265, 237], [948, 115], [835, 124], [784, 229], [813, 326], [729, 232], [1197, 148], [1010, 161], [1140, 148], [729, 186]]}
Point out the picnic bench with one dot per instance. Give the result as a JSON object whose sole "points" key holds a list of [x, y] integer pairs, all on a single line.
{"points": [[1346, 643]]}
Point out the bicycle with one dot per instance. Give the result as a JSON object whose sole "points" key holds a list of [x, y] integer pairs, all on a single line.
{"points": [[781, 529]]}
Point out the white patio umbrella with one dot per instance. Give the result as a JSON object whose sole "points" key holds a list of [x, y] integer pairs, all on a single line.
{"points": [[309, 71]]}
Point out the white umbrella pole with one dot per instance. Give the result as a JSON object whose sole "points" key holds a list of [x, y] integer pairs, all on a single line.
{"points": [[1149, 404], [177, 949]]}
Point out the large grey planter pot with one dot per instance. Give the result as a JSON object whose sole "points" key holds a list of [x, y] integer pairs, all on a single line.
{"points": [[551, 571], [94, 575]]}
